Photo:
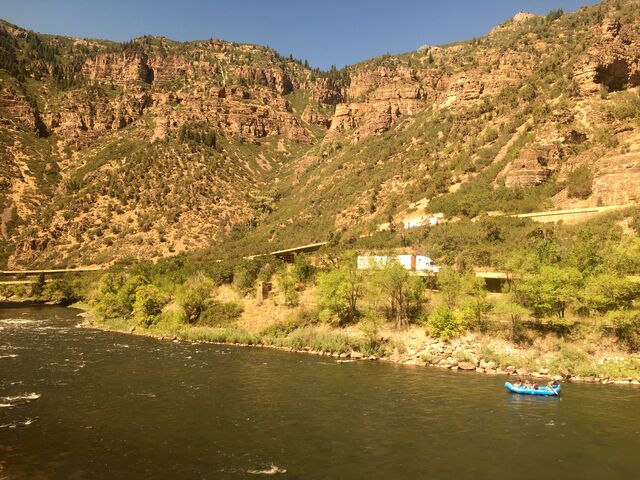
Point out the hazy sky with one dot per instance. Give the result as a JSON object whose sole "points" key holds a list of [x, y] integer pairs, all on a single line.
{"points": [[325, 32]]}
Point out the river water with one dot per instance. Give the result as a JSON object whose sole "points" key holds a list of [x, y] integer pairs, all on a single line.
{"points": [[84, 404]]}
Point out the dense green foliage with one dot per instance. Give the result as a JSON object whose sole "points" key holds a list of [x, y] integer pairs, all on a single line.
{"points": [[400, 292], [245, 275], [626, 326], [551, 290], [220, 314], [340, 291], [199, 133], [303, 270], [444, 323], [148, 304], [193, 296], [288, 286], [152, 298]]}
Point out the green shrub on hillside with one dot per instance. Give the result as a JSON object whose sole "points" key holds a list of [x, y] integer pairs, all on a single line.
{"points": [[197, 132], [634, 222], [554, 15], [126, 295], [171, 319], [607, 291], [514, 313], [115, 294], [623, 257], [64, 291], [220, 314], [194, 296], [625, 105], [340, 291], [267, 271], [288, 286], [303, 270], [37, 287], [148, 304], [449, 283], [245, 275], [551, 291], [444, 323], [626, 327], [400, 292], [580, 182]]}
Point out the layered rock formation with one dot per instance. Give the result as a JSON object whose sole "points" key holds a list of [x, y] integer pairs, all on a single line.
{"points": [[19, 108], [326, 91], [618, 180], [533, 167], [154, 147], [123, 85], [613, 61], [118, 68], [74, 113], [463, 89], [377, 98]]}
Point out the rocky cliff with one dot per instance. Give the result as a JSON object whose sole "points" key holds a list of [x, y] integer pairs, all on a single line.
{"points": [[153, 147], [613, 60]]}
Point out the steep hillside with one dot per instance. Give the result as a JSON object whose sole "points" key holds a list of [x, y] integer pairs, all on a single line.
{"points": [[541, 112], [145, 148], [154, 147]]}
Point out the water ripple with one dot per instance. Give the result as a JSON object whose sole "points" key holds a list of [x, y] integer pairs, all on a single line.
{"points": [[14, 401]]}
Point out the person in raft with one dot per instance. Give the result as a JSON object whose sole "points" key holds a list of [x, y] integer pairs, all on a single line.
{"points": [[517, 383], [527, 384], [553, 384]]}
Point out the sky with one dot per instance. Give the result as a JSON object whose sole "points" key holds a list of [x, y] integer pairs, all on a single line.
{"points": [[325, 32]]}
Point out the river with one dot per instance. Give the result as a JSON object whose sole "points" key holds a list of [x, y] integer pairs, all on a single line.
{"points": [[84, 404]]}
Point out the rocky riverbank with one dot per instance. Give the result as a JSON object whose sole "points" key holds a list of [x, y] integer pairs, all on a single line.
{"points": [[465, 355], [470, 353]]}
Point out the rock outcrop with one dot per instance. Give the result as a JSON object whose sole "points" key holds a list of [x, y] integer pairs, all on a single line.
{"points": [[315, 116], [617, 182], [119, 68], [377, 98], [463, 89], [21, 109], [247, 116], [277, 80], [325, 91], [533, 167], [613, 62], [75, 114], [515, 21]]}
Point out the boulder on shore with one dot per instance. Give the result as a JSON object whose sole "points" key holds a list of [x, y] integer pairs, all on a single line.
{"points": [[467, 366]]}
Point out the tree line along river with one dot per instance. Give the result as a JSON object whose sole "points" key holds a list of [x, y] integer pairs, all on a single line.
{"points": [[80, 403]]}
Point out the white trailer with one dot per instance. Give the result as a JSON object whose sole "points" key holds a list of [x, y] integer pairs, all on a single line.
{"points": [[414, 263], [372, 262], [407, 261]]}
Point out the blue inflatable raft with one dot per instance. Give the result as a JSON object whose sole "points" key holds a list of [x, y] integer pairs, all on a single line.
{"points": [[548, 391]]}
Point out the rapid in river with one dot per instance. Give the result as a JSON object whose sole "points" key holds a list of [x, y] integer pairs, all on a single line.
{"points": [[83, 404]]}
